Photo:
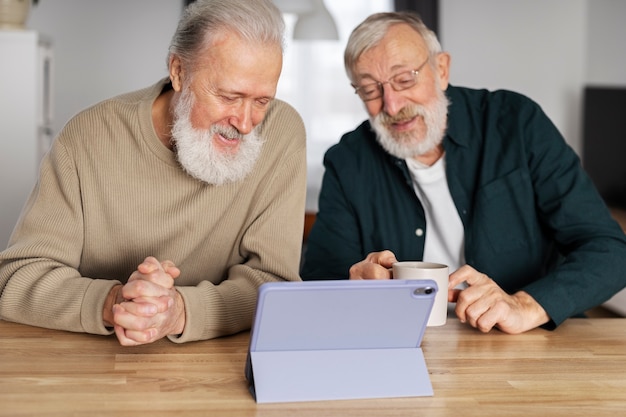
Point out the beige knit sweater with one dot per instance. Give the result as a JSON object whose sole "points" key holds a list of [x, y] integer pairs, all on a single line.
{"points": [[109, 194]]}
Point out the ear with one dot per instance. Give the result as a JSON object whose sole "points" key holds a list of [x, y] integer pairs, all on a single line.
{"points": [[176, 72], [442, 66]]}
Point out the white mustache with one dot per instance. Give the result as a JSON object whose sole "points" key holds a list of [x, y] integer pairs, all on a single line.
{"points": [[407, 113], [228, 132]]}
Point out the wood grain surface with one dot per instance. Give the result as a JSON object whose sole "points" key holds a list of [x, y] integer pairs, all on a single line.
{"points": [[577, 370]]}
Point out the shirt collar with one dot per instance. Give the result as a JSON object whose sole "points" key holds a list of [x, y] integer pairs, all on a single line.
{"points": [[459, 124]]}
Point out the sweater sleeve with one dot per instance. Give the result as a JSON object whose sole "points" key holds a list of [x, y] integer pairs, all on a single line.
{"points": [[39, 278]]}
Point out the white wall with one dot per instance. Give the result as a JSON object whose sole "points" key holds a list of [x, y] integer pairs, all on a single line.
{"points": [[535, 47], [606, 53], [546, 49], [100, 49], [103, 48]]}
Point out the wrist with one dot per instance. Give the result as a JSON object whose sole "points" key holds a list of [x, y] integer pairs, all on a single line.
{"points": [[113, 297], [179, 327], [534, 312]]}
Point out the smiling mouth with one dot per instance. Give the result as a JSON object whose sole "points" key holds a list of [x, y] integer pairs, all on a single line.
{"points": [[228, 144], [402, 124], [228, 138]]}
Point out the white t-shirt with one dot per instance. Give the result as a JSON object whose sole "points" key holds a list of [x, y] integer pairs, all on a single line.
{"points": [[445, 237]]}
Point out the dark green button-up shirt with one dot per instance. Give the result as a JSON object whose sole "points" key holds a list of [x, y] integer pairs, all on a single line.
{"points": [[532, 218]]}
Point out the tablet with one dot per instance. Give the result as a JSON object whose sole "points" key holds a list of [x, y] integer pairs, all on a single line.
{"points": [[318, 340]]}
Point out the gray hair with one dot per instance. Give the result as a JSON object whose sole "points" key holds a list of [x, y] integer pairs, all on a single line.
{"points": [[257, 21], [371, 31]]}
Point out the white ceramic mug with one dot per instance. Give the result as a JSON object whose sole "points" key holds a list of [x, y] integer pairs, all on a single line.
{"points": [[428, 270]]}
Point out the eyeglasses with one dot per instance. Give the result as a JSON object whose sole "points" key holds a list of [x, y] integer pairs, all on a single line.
{"points": [[398, 82]]}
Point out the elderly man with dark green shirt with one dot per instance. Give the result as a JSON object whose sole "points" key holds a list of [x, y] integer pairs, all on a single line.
{"points": [[481, 181]]}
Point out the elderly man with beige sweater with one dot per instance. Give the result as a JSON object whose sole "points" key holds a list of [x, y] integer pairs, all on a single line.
{"points": [[158, 213]]}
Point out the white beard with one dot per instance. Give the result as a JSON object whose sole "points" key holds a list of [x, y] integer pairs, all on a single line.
{"points": [[406, 145], [200, 158]]}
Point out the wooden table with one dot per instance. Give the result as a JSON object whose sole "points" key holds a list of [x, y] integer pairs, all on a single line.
{"points": [[577, 370]]}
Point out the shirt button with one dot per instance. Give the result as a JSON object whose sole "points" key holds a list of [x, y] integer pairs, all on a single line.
{"points": [[419, 232]]}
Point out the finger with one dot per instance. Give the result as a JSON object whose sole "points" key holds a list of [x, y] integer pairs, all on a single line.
{"points": [[142, 288], [151, 270], [385, 258], [355, 270], [477, 312], [464, 299], [141, 337], [461, 275], [120, 333], [161, 277], [170, 268], [368, 270], [453, 295], [141, 307], [134, 338], [480, 304], [160, 273], [149, 265], [129, 321], [487, 320], [499, 316], [162, 304], [172, 271]]}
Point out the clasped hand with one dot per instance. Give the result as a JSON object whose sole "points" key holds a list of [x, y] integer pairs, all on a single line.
{"points": [[148, 307], [483, 304]]}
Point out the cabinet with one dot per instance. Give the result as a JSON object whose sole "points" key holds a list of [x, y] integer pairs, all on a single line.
{"points": [[25, 119]]}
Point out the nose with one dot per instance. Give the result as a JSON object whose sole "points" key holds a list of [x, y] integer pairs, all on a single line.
{"points": [[393, 100], [244, 119]]}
